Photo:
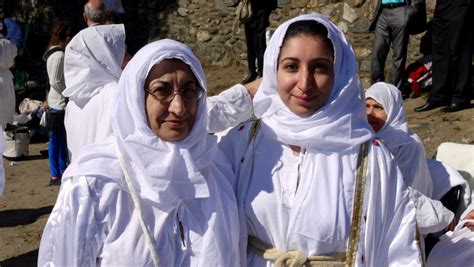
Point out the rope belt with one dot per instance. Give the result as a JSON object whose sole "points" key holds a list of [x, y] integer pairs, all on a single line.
{"points": [[295, 258]]}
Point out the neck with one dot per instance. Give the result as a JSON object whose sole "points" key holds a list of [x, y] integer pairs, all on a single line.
{"points": [[296, 149]]}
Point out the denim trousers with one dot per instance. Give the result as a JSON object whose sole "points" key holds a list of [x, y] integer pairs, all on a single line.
{"points": [[57, 150]]}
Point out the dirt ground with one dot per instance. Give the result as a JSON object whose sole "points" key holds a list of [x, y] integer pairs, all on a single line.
{"points": [[28, 200]]}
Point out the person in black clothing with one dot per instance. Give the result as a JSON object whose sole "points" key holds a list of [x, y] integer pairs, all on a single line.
{"points": [[255, 37], [452, 50]]}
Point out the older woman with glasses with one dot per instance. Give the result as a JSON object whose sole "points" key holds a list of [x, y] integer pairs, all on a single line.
{"points": [[149, 194]]}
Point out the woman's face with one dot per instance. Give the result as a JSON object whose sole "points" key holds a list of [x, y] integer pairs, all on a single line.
{"points": [[305, 74], [170, 121], [376, 115]]}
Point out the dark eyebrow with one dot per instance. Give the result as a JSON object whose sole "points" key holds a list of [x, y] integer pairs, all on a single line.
{"points": [[314, 60], [191, 82]]}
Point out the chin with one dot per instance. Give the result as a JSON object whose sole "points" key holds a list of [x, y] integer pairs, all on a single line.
{"points": [[174, 135]]}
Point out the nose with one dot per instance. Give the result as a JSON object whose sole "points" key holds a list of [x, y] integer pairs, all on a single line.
{"points": [[369, 110], [177, 106], [306, 80]]}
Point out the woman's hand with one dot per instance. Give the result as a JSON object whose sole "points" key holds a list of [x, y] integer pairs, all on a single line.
{"points": [[470, 216], [44, 106], [253, 86]]}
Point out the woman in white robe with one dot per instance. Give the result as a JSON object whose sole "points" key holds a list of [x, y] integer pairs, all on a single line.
{"points": [[7, 90], [92, 67], [150, 194], [394, 132], [296, 175], [386, 114]]}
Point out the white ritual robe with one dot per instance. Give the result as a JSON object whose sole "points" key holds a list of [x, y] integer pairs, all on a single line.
{"points": [[313, 213], [96, 215], [7, 90], [454, 248], [90, 123], [412, 163]]}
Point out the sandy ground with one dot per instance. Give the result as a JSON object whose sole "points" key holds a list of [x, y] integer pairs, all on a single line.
{"points": [[28, 200]]}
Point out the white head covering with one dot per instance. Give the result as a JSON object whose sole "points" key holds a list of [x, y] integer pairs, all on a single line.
{"points": [[162, 171], [395, 131], [340, 123], [93, 59]]}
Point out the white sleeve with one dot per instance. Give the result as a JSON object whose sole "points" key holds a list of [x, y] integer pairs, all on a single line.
{"points": [[71, 236], [431, 215], [229, 108]]}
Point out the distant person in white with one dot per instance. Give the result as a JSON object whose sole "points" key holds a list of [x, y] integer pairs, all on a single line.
{"points": [[150, 194], [8, 52], [386, 114], [92, 67]]}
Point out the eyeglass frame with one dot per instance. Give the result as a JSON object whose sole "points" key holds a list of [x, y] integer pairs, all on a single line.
{"points": [[199, 90]]}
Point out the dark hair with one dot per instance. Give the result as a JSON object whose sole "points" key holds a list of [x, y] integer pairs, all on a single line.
{"points": [[308, 28], [61, 32]]}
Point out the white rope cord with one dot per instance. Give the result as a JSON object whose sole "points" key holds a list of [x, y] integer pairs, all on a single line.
{"points": [[138, 207]]}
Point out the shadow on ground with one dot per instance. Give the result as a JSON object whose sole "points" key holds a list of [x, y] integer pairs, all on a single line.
{"points": [[12, 218], [25, 260]]}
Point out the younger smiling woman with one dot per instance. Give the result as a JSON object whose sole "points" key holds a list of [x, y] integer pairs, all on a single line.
{"points": [[300, 189]]}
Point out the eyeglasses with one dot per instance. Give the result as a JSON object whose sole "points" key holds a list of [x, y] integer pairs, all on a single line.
{"points": [[166, 94]]}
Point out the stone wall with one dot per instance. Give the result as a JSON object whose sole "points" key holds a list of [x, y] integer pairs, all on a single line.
{"points": [[206, 25]]}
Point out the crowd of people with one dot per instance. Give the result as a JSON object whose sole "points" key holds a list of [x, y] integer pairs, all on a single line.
{"points": [[298, 167]]}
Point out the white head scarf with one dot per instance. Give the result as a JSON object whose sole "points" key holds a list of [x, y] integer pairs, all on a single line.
{"points": [[395, 131], [162, 171], [340, 123], [93, 59]]}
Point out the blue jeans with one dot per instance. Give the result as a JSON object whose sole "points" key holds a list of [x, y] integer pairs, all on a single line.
{"points": [[57, 150]]}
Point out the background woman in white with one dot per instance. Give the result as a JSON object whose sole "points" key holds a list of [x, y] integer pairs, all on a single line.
{"points": [[8, 52], [92, 67], [387, 117], [149, 194], [386, 114], [296, 177]]}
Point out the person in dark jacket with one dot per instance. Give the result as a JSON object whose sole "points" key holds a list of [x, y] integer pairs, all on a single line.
{"points": [[255, 37]]}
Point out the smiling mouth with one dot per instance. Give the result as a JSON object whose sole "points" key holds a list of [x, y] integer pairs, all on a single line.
{"points": [[304, 99], [174, 123]]}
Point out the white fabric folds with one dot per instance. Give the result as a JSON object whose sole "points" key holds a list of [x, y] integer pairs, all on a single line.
{"points": [[188, 206], [93, 58]]}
